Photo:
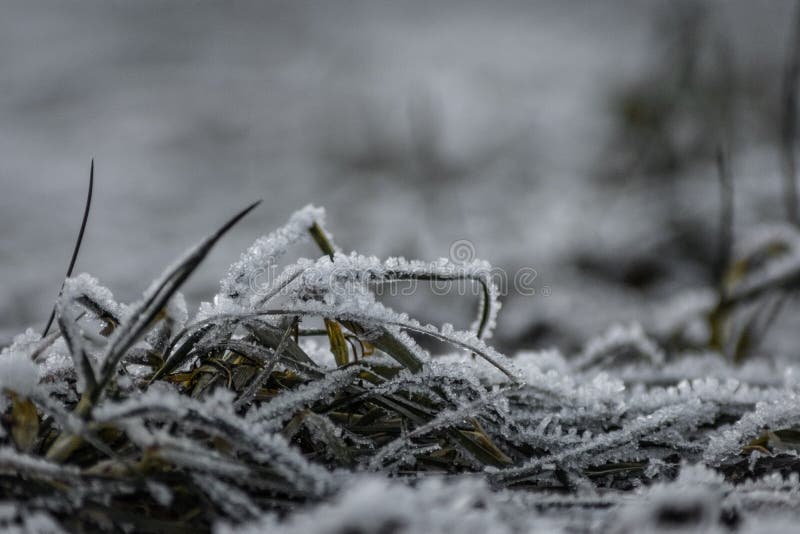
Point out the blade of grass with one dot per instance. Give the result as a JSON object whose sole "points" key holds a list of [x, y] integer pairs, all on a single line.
{"points": [[78, 242], [338, 343], [725, 235], [68, 325], [791, 80]]}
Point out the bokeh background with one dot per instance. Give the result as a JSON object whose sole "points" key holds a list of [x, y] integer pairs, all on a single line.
{"points": [[573, 137]]}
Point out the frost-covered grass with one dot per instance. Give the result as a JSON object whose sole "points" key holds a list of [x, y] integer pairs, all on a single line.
{"points": [[296, 400]]}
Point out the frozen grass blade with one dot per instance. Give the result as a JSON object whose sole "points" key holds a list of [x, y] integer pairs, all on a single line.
{"points": [[791, 84], [70, 331], [725, 230], [78, 242]]}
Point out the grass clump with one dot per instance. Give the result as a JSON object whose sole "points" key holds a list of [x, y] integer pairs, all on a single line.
{"points": [[134, 417], [160, 423]]}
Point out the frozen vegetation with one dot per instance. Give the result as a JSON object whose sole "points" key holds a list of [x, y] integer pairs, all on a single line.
{"points": [[632, 189], [300, 402]]}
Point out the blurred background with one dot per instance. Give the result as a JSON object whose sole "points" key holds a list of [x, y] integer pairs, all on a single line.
{"points": [[576, 138]]}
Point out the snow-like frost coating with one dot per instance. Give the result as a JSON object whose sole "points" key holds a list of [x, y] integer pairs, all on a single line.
{"points": [[18, 373]]}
